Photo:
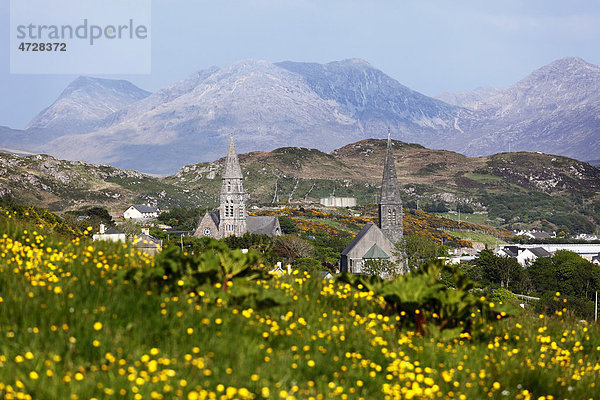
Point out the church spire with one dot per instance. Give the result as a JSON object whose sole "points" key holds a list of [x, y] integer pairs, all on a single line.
{"points": [[390, 193], [232, 168], [232, 211], [390, 204]]}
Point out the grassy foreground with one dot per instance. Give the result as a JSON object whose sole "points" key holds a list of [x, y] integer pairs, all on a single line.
{"points": [[71, 328]]}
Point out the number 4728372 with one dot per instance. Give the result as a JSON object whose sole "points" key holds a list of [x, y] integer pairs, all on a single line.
{"points": [[43, 46]]}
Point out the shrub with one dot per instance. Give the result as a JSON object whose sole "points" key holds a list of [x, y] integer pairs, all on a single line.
{"points": [[501, 295]]}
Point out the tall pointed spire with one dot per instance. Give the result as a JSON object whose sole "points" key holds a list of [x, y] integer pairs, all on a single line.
{"points": [[232, 168], [232, 211], [390, 193], [390, 204]]}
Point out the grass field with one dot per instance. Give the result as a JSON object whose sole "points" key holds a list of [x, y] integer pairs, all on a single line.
{"points": [[481, 219], [73, 327], [333, 224], [488, 240]]}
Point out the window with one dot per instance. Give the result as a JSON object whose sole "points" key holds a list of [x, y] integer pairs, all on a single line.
{"points": [[241, 211], [394, 217], [229, 186], [228, 208]]}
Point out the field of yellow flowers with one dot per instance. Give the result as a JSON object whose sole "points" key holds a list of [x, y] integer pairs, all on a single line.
{"points": [[71, 327]]}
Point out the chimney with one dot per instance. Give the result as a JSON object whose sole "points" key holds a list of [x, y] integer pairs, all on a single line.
{"points": [[145, 230], [102, 229]]}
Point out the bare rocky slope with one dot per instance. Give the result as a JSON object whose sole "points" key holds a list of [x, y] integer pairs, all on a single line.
{"points": [[267, 105]]}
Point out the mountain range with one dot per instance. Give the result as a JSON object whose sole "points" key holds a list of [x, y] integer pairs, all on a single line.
{"points": [[266, 105]]}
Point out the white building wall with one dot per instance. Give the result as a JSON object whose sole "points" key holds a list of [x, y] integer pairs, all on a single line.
{"points": [[526, 256], [121, 237], [132, 213], [332, 201], [586, 251]]}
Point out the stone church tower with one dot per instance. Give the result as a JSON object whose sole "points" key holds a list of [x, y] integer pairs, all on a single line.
{"points": [[232, 210], [390, 204]]}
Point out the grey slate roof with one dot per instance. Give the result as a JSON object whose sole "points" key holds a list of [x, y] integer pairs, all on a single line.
{"points": [[540, 252], [144, 240], [261, 224], [112, 231], [509, 252], [143, 208], [540, 235], [357, 238], [216, 217]]}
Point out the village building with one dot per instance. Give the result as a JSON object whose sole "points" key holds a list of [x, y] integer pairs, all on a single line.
{"points": [[232, 219], [377, 242], [585, 250], [524, 255], [146, 242], [110, 234], [530, 255], [333, 201], [141, 211]]}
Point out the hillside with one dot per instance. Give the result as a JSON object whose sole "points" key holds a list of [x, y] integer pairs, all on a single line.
{"points": [[513, 188], [64, 185]]}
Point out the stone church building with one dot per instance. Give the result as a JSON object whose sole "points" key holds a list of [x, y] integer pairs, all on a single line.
{"points": [[377, 242], [232, 217]]}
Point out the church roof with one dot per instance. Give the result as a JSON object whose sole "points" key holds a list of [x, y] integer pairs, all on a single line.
{"points": [[375, 252], [357, 238], [232, 168], [216, 217], [261, 224], [390, 192]]}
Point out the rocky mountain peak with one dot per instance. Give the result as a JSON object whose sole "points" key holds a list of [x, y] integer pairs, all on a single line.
{"points": [[85, 102]]}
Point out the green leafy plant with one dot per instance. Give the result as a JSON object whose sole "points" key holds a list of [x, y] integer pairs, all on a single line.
{"points": [[434, 308], [230, 275]]}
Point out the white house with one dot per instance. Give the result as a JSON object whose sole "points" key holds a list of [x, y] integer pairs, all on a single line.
{"points": [[111, 234], [523, 255], [530, 255], [141, 211]]}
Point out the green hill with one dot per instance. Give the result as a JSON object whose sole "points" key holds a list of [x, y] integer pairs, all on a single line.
{"points": [[515, 189]]}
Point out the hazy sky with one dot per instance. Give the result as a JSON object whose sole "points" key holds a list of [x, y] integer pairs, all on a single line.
{"points": [[429, 46]]}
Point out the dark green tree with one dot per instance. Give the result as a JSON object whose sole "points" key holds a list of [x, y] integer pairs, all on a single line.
{"points": [[181, 218], [288, 225], [416, 250], [501, 271]]}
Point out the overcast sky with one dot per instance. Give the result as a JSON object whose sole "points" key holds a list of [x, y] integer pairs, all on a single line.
{"points": [[429, 46]]}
